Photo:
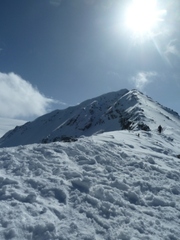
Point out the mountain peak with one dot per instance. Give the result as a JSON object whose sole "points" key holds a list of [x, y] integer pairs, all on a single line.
{"points": [[112, 111]]}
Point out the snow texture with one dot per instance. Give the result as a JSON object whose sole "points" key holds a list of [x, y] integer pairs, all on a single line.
{"points": [[114, 185]]}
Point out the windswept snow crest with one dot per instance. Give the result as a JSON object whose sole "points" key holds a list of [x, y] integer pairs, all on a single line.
{"points": [[118, 185], [110, 112]]}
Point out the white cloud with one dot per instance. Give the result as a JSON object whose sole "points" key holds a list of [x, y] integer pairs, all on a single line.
{"points": [[171, 48], [18, 98], [142, 79]]}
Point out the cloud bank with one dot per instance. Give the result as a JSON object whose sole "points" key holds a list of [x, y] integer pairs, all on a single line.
{"points": [[18, 98]]}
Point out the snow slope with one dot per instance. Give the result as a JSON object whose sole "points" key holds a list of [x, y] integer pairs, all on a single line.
{"points": [[110, 112], [7, 124], [111, 184], [114, 185]]}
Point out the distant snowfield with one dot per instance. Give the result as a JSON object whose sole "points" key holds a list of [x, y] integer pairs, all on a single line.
{"points": [[111, 186], [7, 124]]}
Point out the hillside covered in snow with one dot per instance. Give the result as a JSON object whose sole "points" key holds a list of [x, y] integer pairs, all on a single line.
{"points": [[115, 178], [7, 124], [109, 112], [115, 185]]}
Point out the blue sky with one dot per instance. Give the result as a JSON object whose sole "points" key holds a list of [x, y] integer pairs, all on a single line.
{"points": [[57, 53]]}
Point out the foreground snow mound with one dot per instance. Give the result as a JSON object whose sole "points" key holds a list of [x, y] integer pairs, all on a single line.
{"points": [[115, 185], [110, 112]]}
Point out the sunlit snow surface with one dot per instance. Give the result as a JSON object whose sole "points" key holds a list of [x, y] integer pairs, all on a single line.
{"points": [[111, 186]]}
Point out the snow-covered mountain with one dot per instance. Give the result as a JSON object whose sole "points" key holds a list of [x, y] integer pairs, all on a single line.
{"points": [[112, 111], [114, 185], [7, 124]]}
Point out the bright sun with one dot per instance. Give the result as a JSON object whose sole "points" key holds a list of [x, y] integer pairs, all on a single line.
{"points": [[142, 16]]}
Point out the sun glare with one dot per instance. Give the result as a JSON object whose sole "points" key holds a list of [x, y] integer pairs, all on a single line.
{"points": [[142, 16]]}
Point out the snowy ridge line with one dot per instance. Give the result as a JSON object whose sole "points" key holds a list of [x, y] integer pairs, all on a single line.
{"points": [[111, 186], [110, 112]]}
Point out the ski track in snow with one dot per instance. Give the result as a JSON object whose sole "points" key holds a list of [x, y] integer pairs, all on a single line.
{"points": [[111, 186]]}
